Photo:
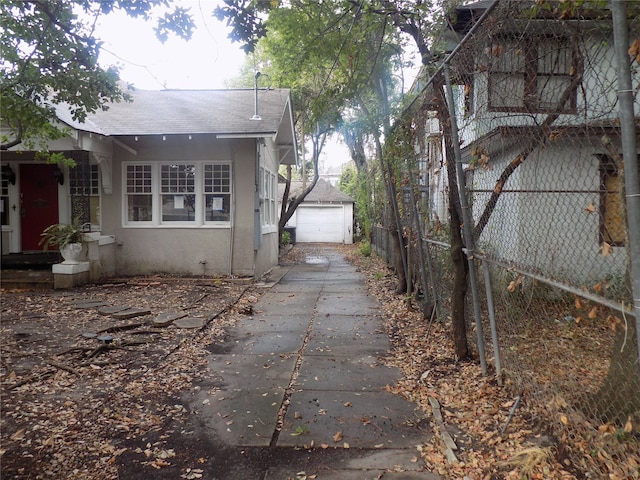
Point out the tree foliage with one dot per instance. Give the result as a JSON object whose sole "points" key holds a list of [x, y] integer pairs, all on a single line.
{"points": [[337, 60], [49, 56]]}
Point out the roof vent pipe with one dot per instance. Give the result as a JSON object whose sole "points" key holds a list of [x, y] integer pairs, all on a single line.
{"points": [[255, 114]]}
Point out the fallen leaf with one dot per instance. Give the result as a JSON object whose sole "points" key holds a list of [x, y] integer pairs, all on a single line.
{"points": [[613, 322], [19, 435], [605, 249], [628, 426], [634, 50], [337, 436]]}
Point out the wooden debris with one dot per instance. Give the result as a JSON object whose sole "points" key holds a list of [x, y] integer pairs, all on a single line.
{"points": [[166, 318], [113, 309], [86, 304], [120, 328], [189, 322], [131, 313], [195, 302], [32, 378], [62, 366], [74, 349], [446, 437]]}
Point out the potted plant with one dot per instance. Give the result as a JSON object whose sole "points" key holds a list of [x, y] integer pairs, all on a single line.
{"points": [[67, 237]]}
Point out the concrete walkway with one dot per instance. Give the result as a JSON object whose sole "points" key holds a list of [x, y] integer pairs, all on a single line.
{"points": [[302, 378]]}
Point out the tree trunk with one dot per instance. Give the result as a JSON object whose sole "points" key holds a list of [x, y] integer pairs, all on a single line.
{"points": [[619, 395], [458, 257], [460, 286], [398, 250]]}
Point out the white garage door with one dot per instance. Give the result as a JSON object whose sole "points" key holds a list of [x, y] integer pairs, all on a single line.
{"points": [[320, 224]]}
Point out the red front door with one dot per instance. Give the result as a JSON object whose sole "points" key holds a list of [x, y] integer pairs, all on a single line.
{"points": [[39, 202]]}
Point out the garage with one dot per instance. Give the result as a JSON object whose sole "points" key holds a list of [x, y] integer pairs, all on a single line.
{"points": [[323, 224], [325, 215]]}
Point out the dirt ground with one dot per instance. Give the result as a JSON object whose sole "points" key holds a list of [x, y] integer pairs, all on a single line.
{"points": [[76, 406], [71, 401]]}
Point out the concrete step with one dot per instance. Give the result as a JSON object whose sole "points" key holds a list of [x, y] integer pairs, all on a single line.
{"points": [[26, 279]]}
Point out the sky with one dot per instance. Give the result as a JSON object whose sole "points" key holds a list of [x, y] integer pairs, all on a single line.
{"points": [[204, 62]]}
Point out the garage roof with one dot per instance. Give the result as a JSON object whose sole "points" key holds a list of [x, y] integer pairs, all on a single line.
{"points": [[323, 192]]}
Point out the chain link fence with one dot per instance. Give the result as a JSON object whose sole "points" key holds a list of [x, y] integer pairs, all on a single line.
{"points": [[534, 94]]}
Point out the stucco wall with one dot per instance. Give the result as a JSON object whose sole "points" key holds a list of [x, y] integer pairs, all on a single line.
{"points": [[195, 250], [546, 225], [266, 256]]}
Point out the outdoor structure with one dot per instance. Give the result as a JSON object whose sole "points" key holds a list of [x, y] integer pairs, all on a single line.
{"points": [[325, 215], [520, 110], [541, 97], [175, 181]]}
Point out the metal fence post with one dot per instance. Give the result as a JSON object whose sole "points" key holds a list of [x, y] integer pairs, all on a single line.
{"points": [[466, 218], [629, 149], [492, 322]]}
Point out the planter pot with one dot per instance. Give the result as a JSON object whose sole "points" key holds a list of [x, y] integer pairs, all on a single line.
{"points": [[71, 253]]}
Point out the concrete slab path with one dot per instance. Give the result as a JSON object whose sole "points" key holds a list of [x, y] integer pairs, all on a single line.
{"points": [[302, 379]]}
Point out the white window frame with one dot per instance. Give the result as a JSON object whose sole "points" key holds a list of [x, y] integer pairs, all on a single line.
{"points": [[178, 188], [219, 192], [158, 192], [525, 79], [126, 193], [268, 208]]}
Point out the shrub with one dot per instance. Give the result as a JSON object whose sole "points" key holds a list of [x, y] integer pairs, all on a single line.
{"points": [[365, 248]]}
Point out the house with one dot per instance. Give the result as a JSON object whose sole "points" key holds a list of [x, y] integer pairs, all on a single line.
{"points": [[325, 215], [536, 108], [176, 181]]}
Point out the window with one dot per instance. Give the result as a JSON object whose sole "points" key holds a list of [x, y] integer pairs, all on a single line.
{"points": [[139, 193], [217, 192], [268, 194], [532, 75], [84, 189], [612, 222], [181, 194], [4, 201], [177, 191]]}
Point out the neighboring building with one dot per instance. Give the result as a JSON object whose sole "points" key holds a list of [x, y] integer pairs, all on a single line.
{"points": [[176, 181], [325, 215], [541, 91]]}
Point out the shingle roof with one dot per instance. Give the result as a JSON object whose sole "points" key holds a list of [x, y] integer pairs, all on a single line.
{"points": [[323, 192], [155, 112]]}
